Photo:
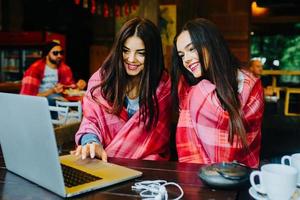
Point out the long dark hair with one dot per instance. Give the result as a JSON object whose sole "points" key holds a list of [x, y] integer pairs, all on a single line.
{"points": [[115, 79], [220, 68]]}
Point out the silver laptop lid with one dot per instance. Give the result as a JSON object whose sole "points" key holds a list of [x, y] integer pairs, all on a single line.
{"points": [[28, 141]]}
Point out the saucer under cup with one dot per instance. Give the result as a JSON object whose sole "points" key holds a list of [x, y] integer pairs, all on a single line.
{"points": [[256, 195], [276, 180]]}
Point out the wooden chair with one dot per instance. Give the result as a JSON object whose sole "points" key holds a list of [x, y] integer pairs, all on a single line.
{"points": [[290, 91]]}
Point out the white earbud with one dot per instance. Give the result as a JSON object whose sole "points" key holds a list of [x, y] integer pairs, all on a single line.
{"points": [[155, 190]]}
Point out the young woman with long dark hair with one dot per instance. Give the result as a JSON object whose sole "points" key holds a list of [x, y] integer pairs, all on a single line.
{"points": [[220, 105], [127, 105]]}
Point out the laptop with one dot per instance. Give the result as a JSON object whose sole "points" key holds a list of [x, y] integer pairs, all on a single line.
{"points": [[29, 149]]}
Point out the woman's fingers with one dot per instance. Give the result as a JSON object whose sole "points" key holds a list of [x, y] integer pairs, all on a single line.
{"points": [[104, 156], [84, 151], [77, 151], [100, 152], [90, 150]]}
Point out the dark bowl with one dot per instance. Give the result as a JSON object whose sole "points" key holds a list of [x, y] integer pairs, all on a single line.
{"points": [[225, 175]]}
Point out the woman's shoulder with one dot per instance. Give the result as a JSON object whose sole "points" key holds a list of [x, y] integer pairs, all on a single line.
{"points": [[95, 75], [94, 79], [94, 90], [247, 82], [248, 75], [246, 78]]}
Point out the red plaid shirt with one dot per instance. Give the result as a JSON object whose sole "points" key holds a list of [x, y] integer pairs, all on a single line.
{"points": [[203, 126], [34, 75], [125, 137]]}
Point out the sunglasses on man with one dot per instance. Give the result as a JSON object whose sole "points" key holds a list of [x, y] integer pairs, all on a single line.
{"points": [[58, 52]]}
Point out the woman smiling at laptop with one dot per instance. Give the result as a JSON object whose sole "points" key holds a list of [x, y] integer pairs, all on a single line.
{"points": [[127, 104]]}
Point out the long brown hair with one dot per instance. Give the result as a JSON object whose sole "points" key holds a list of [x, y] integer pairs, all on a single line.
{"points": [[221, 69]]}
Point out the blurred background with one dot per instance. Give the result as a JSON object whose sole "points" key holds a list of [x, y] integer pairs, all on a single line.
{"points": [[265, 29]]}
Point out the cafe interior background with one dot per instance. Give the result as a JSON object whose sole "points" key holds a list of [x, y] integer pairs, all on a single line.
{"points": [[268, 30]]}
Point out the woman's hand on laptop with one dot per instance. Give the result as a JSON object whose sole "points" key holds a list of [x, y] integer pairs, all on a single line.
{"points": [[91, 150]]}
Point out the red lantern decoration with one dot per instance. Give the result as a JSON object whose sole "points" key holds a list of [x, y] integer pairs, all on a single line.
{"points": [[77, 2], [117, 11], [126, 9], [133, 7], [105, 10], [93, 6]]}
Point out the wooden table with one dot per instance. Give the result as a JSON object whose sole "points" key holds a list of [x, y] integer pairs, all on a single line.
{"points": [[14, 187], [275, 73], [10, 87]]}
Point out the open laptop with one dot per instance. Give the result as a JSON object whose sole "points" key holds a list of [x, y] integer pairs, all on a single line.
{"points": [[30, 150]]}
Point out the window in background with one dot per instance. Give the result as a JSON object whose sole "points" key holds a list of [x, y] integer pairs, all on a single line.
{"points": [[280, 52]]}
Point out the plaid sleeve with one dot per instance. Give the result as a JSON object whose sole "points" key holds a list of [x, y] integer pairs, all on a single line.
{"points": [[202, 130], [92, 114], [123, 137], [30, 83], [253, 114], [254, 108]]}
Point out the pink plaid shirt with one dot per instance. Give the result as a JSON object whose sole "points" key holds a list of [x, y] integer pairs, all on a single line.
{"points": [[34, 75], [125, 137], [203, 126]]}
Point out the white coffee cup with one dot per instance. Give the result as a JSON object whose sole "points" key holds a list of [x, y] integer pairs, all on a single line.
{"points": [[276, 180], [294, 161]]}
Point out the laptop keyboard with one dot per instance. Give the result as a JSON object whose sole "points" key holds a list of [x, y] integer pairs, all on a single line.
{"points": [[74, 177]]}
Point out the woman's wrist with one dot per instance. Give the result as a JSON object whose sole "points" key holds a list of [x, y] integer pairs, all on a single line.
{"points": [[89, 138]]}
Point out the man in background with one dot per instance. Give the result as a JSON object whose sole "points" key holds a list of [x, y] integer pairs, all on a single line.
{"points": [[256, 67], [271, 93], [49, 76]]}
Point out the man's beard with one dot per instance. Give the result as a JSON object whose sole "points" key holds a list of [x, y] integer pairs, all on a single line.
{"points": [[55, 62]]}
